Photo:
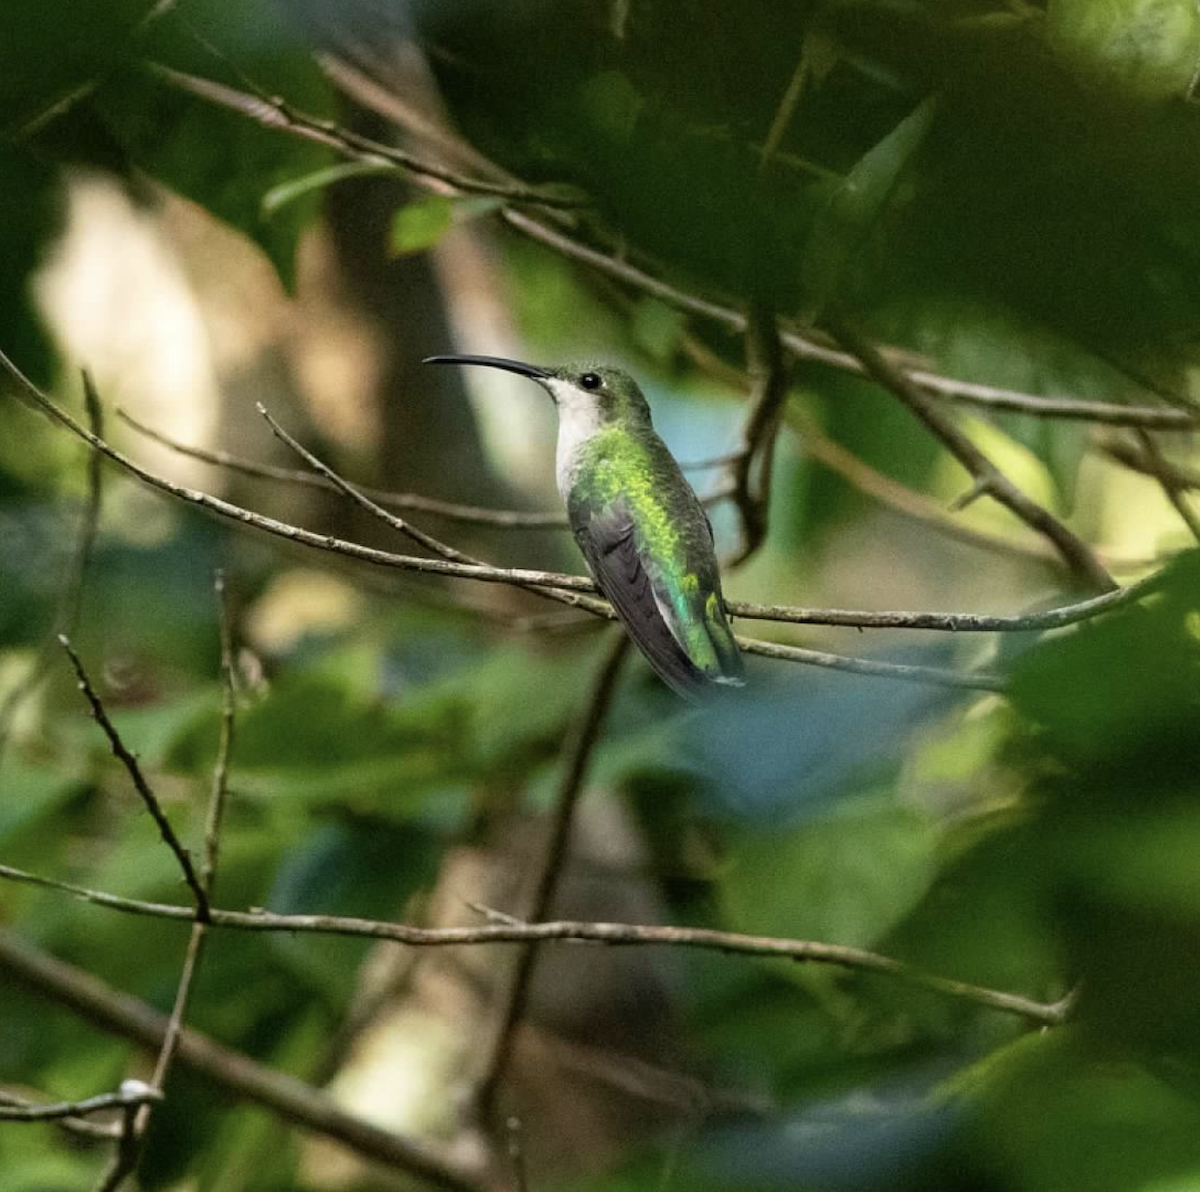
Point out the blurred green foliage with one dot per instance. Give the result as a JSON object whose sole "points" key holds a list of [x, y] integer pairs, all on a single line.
{"points": [[1008, 188]]}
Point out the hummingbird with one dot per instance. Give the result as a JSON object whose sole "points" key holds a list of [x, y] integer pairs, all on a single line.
{"points": [[643, 533]]}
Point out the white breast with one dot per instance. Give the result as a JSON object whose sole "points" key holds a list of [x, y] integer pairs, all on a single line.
{"points": [[578, 420]]}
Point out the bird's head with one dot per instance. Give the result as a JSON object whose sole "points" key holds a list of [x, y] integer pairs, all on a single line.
{"points": [[593, 393]]}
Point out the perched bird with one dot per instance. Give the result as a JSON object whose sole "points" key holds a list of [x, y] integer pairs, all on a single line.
{"points": [[643, 533]]}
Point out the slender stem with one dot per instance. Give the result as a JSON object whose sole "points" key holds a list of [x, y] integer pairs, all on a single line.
{"points": [[506, 519], [18, 1109], [1075, 552], [576, 756], [288, 1098], [931, 675], [134, 770], [768, 389], [71, 600], [1174, 489], [508, 930], [273, 112], [444, 549]]}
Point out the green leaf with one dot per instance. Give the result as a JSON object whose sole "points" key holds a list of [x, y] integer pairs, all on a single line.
{"points": [[288, 192], [854, 205], [1123, 691], [53, 51], [847, 878], [29, 795], [1141, 49], [420, 225]]}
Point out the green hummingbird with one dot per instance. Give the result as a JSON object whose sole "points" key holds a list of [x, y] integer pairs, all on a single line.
{"points": [[643, 533]]}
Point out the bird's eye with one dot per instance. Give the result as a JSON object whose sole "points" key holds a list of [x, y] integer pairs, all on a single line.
{"points": [[591, 380]]}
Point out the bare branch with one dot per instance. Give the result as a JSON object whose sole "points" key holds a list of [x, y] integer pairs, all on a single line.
{"points": [[1075, 552], [1140, 461], [147, 795], [589, 604], [132, 1093], [515, 931], [576, 756], [220, 774], [129, 1150], [573, 590], [282, 1094], [1174, 489], [71, 599], [125, 1159], [768, 389], [814, 348], [506, 519], [931, 675], [273, 112], [1052, 618]]}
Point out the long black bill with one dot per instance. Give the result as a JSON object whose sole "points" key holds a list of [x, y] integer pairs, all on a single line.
{"points": [[513, 366]]}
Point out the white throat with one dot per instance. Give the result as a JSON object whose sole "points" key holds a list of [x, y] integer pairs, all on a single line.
{"points": [[578, 420]]}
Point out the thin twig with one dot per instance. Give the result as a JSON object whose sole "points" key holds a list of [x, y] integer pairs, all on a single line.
{"points": [[516, 931], [134, 770], [768, 388], [1075, 552], [515, 1139], [273, 112], [235, 1073], [220, 775], [1173, 490], [1051, 618], [131, 1093], [1129, 455], [931, 675], [125, 1159], [577, 754], [813, 348], [136, 1121], [567, 586], [444, 549], [506, 519], [71, 600], [208, 866]]}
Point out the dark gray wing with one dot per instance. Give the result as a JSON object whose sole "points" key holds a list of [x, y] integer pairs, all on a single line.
{"points": [[609, 545]]}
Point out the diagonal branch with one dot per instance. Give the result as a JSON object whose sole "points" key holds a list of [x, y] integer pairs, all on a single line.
{"points": [[1140, 461], [576, 757], [813, 348], [1174, 487], [282, 1094], [508, 519], [988, 478], [71, 599], [273, 112], [143, 788]]}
